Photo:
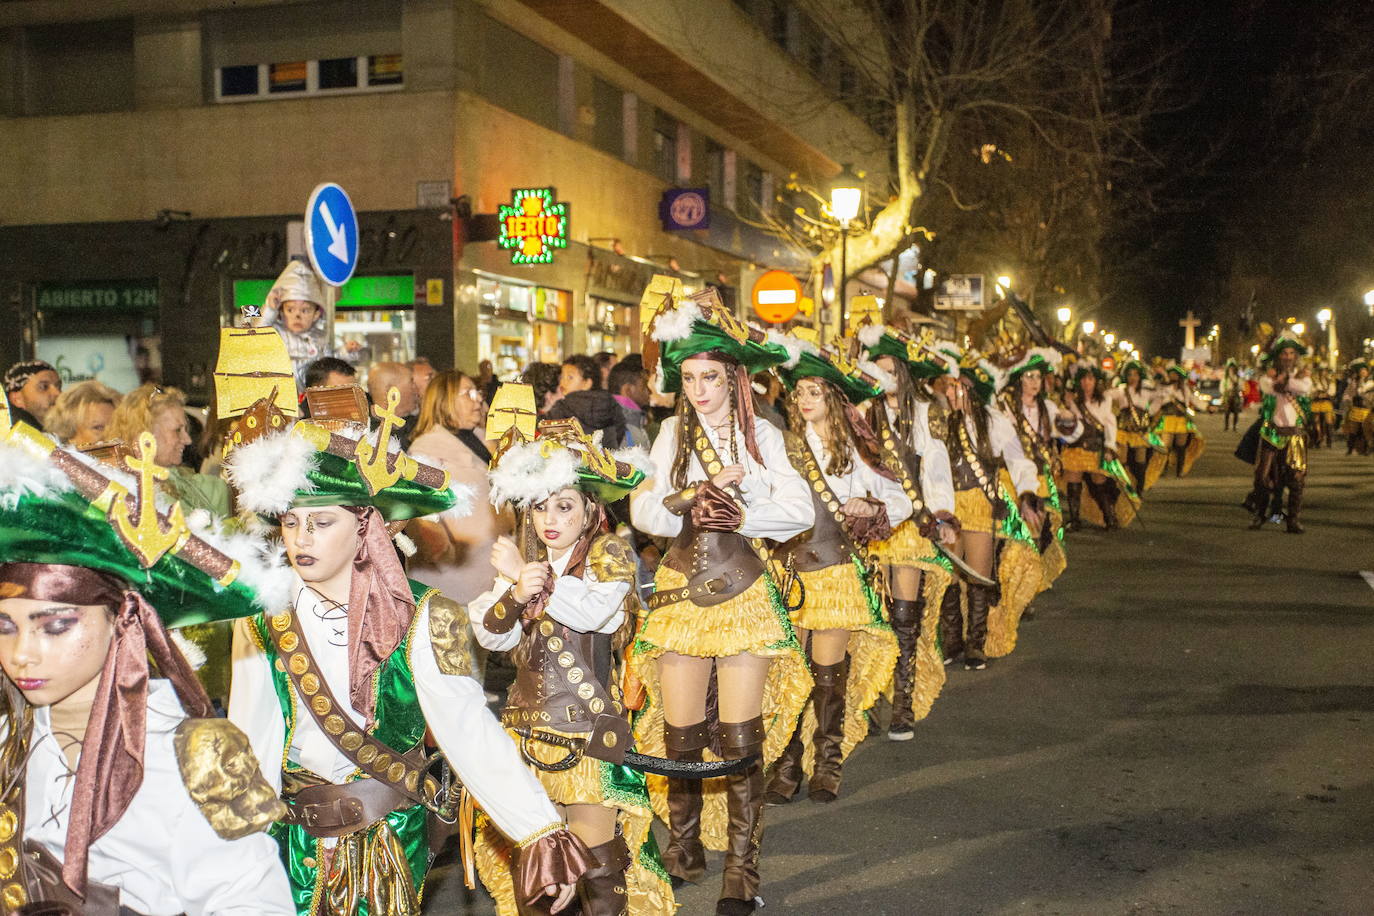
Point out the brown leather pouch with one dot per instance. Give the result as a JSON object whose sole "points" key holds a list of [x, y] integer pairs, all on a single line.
{"points": [[715, 510], [610, 738], [873, 528], [329, 810]]}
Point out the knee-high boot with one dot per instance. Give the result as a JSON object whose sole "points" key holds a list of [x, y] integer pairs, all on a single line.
{"points": [[685, 857], [906, 626], [829, 698], [979, 599], [1104, 494], [601, 891], [1295, 488], [744, 801], [1180, 450], [1137, 468], [786, 776], [952, 623], [1073, 495]]}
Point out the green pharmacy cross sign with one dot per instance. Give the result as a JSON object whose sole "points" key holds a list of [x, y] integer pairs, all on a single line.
{"points": [[533, 225]]}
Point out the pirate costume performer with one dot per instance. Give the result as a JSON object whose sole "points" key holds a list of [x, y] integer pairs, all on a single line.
{"points": [[840, 621], [1180, 441], [122, 795], [1232, 396], [1135, 442], [1323, 408], [1040, 423], [1091, 458], [917, 573], [1356, 401], [1285, 415], [721, 483], [565, 709], [337, 689], [979, 620]]}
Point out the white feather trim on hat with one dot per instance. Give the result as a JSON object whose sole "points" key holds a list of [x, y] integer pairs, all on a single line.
{"points": [[194, 654], [21, 472], [636, 457], [677, 323], [268, 472], [464, 498], [524, 476], [870, 334], [1049, 355], [998, 377], [885, 378], [793, 344]]}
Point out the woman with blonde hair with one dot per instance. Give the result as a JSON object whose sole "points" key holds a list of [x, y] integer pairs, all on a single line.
{"points": [[161, 412], [455, 556], [81, 415]]}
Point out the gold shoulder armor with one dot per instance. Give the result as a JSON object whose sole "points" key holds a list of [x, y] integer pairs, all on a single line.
{"points": [[224, 779], [610, 560], [451, 633]]}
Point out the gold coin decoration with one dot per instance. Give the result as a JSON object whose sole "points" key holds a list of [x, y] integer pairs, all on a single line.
{"points": [[585, 691], [14, 896], [555, 643], [412, 780], [298, 664], [396, 771], [546, 627], [310, 684], [280, 665], [609, 739], [334, 724], [8, 823], [321, 705], [596, 705], [366, 754], [565, 659], [713, 468], [575, 676], [382, 762], [351, 741], [9, 862], [289, 641], [281, 622]]}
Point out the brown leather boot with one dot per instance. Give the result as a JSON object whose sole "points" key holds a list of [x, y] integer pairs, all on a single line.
{"points": [[787, 773], [601, 891], [744, 801], [685, 857], [1104, 494], [979, 599], [1073, 495], [1295, 488], [828, 695], [906, 626], [952, 623]]}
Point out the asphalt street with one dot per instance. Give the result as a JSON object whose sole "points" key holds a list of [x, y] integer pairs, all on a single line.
{"points": [[1185, 727]]}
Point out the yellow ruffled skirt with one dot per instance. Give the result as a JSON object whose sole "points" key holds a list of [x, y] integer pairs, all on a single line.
{"points": [[749, 622], [1162, 461], [587, 783], [902, 548], [974, 511], [1019, 573], [1081, 460], [833, 595]]}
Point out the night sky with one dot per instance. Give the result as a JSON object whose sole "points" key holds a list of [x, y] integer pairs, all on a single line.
{"points": [[1266, 187]]}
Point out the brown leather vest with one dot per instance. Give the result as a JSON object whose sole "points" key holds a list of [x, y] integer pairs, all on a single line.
{"points": [[822, 546], [562, 675], [723, 558]]}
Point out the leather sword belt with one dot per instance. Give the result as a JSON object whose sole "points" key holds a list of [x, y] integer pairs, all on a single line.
{"points": [[722, 584], [329, 810]]}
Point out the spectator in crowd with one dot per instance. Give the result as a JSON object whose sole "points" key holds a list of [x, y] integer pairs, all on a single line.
{"points": [[454, 555], [421, 371], [544, 379], [81, 415], [767, 392], [31, 387], [627, 386], [330, 372], [605, 361], [381, 378], [583, 397], [487, 381], [162, 411]]}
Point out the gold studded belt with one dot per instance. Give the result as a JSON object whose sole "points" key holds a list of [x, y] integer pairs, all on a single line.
{"points": [[404, 773]]}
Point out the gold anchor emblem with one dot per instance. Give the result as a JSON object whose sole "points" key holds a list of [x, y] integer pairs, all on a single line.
{"points": [[375, 463], [141, 528]]}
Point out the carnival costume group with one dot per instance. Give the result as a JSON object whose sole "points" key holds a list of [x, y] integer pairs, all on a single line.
{"points": [[814, 583]]}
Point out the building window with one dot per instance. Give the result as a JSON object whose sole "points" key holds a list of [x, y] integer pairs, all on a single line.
{"points": [[520, 75], [290, 79], [715, 169], [608, 112], [749, 202], [665, 147]]}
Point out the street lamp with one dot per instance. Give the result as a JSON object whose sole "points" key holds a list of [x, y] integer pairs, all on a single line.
{"points": [[1089, 327], [1299, 329], [1109, 338], [846, 194], [1328, 322], [1369, 301]]}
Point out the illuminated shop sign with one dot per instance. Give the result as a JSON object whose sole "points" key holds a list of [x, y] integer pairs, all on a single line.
{"points": [[533, 225]]}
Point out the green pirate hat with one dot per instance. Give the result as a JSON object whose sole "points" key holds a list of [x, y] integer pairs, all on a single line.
{"points": [[922, 360], [1177, 370], [1135, 364], [987, 379], [1086, 368], [312, 465], [59, 507], [1040, 359], [683, 326], [1286, 343], [857, 382], [524, 472]]}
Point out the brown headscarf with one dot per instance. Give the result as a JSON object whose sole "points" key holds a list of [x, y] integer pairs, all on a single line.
{"points": [[380, 608], [110, 770]]}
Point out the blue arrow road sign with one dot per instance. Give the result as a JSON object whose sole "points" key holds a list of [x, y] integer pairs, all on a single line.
{"points": [[331, 234]]}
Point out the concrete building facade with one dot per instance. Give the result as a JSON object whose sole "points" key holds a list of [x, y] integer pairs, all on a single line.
{"points": [[155, 151]]}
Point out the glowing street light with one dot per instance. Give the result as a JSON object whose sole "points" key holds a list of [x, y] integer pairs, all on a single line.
{"points": [[846, 195], [1109, 338], [1299, 329], [1369, 299], [1328, 322], [1089, 327], [1064, 314], [1323, 317], [1254, 349]]}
